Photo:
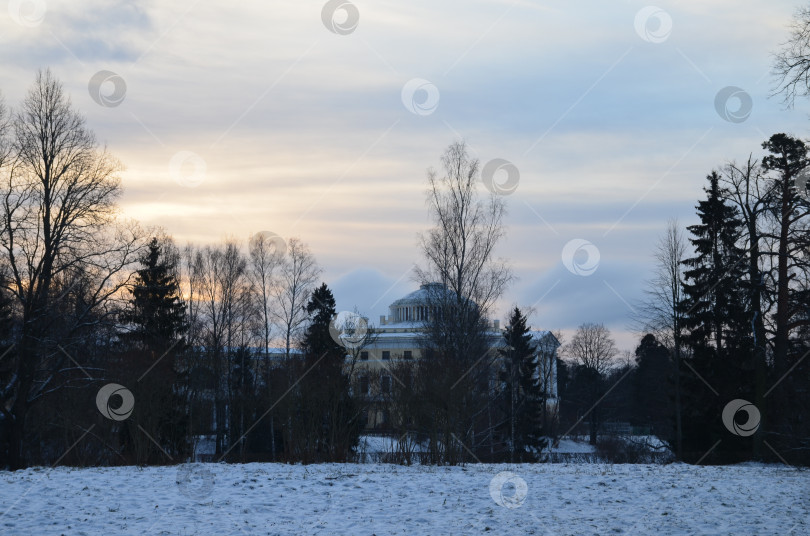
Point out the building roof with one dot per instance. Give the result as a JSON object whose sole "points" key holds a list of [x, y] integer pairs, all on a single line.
{"points": [[422, 295], [545, 337]]}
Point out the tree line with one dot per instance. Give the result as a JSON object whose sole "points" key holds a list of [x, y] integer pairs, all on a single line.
{"points": [[725, 324], [119, 347], [731, 303]]}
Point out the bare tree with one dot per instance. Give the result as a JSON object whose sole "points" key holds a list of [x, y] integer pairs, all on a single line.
{"points": [[298, 275], [792, 62], [215, 291], [58, 230], [241, 326], [225, 322], [463, 279], [265, 259], [191, 272], [745, 187], [661, 313], [5, 133], [593, 349], [236, 292], [460, 248], [191, 282]]}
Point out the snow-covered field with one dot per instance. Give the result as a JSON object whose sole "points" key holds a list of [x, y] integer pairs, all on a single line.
{"points": [[552, 499]]}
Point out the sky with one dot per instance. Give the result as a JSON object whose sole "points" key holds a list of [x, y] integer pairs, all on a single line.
{"points": [[318, 120]]}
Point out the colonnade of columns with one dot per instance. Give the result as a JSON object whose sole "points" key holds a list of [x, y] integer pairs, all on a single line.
{"points": [[413, 313]]}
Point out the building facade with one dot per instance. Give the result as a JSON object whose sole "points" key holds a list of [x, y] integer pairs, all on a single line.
{"points": [[399, 338]]}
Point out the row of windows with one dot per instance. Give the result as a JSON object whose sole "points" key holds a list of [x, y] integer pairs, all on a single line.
{"points": [[386, 355]]}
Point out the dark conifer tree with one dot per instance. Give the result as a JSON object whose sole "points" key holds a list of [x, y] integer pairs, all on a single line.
{"points": [[317, 339], [157, 315], [714, 306], [330, 417], [522, 396], [154, 343], [653, 388], [718, 324]]}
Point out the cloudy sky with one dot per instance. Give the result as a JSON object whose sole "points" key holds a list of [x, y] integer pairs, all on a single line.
{"points": [[318, 120]]}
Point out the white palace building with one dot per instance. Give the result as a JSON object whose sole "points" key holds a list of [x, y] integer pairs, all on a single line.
{"points": [[399, 337]]}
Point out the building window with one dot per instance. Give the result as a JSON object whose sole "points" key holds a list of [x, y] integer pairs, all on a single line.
{"points": [[363, 385], [407, 354], [386, 354], [364, 355], [385, 384]]}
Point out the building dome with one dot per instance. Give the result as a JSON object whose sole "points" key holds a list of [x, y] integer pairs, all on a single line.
{"points": [[415, 307], [421, 296]]}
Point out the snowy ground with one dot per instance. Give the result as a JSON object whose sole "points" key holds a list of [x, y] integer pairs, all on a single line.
{"points": [[552, 499]]}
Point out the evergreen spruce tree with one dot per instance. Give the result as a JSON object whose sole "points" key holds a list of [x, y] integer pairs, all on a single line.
{"points": [[718, 325], [331, 424], [154, 341], [522, 393], [317, 339], [714, 304], [157, 314]]}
